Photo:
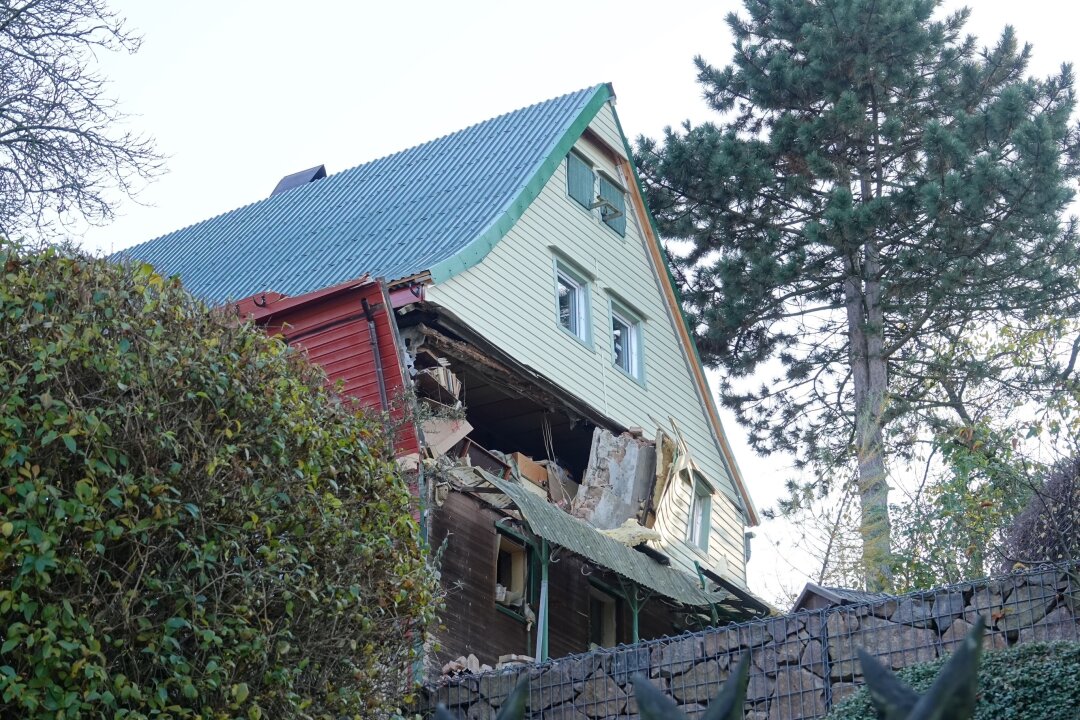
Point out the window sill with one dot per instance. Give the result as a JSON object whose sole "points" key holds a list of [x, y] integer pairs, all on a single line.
{"points": [[512, 613], [704, 555], [587, 344], [630, 376]]}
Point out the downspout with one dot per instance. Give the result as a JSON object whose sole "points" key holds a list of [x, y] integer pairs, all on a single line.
{"points": [[374, 337], [542, 620], [712, 607]]}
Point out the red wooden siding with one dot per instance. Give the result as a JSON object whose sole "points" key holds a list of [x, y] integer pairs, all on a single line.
{"points": [[333, 329]]}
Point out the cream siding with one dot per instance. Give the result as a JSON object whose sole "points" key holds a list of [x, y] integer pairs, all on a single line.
{"points": [[509, 297]]}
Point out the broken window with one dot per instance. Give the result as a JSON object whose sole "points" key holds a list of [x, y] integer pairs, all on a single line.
{"points": [[511, 573], [700, 513], [573, 301], [625, 342]]}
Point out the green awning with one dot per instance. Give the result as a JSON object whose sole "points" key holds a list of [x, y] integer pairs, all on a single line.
{"points": [[579, 537]]}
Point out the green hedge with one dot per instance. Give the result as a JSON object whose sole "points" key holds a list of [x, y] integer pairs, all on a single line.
{"points": [[1036, 681], [191, 524]]}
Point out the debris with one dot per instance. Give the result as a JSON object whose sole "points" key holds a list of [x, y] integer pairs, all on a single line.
{"points": [[511, 660], [441, 434], [620, 475], [464, 666], [631, 533], [529, 468], [665, 459], [562, 489], [479, 457]]}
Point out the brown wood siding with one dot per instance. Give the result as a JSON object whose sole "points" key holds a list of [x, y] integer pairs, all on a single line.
{"points": [[472, 622]]}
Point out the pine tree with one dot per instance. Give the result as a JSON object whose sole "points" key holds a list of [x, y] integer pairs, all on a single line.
{"points": [[877, 187]]}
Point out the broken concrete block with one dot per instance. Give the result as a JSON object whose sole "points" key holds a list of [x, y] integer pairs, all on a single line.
{"points": [[619, 478]]}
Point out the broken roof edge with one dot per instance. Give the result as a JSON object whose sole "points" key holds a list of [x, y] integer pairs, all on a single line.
{"points": [[581, 538], [479, 247], [674, 297]]}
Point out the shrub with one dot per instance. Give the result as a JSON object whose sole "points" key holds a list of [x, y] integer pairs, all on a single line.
{"points": [[1035, 680], [192, 525]]}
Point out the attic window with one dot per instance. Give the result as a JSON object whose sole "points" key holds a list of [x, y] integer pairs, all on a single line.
{"points": [[612, 201], [580, 180]]}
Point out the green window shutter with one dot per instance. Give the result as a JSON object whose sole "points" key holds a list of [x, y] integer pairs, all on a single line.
{"points": [[616, 219], [579, 180]]}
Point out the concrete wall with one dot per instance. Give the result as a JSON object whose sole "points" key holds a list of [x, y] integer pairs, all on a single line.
{"points": [[801, 664]]}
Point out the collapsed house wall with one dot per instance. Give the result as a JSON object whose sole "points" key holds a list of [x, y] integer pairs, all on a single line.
{"points": [[520, 317]]}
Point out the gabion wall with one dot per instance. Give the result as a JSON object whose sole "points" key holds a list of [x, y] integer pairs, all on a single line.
{"points": [[801, 664]]}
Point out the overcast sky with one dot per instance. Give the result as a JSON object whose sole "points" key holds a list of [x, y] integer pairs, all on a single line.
{"points": [[239, 93]]}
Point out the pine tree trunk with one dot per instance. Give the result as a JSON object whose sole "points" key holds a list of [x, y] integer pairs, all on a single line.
{"points": [[862, 295]]}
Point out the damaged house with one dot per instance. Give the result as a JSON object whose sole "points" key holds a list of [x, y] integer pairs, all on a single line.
{"points": [[502, 294]]}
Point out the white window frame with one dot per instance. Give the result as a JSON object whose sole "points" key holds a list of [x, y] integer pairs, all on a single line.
{"points": [[634, 349], [579, 319], [699, 521]]}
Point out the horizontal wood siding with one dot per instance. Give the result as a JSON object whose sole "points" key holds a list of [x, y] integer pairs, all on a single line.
{"points": [[510, 298], [473, 624], [333, 332]]}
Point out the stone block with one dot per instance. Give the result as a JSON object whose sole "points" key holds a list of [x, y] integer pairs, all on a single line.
{"points": [[884, 609], [784, 652], [985, 602], [813, 659], [553, 685], [760, 687], [916, 612], [564, 712], [677, 656], [480, 710], [627, 662], [699, 684], [798, 694], [458, 693], [1026, 605], [1057, 625], [951, 638], [496, 687], [841, 690], [894, 645], [722, 642], [947, 608], [601, 696]]}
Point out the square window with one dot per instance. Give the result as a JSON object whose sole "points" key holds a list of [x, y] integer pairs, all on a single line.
{"points": [[700, 514], [572, 302], [626, 342]]}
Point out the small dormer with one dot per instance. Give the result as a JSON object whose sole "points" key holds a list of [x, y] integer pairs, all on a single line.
{"points": [[299, 178]]}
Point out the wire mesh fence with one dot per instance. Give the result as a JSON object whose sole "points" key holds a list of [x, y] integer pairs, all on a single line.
{"points": [[801, 664]]}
